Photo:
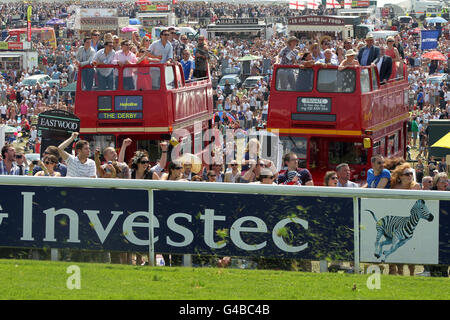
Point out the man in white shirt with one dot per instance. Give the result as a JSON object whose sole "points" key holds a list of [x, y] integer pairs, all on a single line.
{"points": [[105, 75], [344, 173], [124, 57], [80, 165]]}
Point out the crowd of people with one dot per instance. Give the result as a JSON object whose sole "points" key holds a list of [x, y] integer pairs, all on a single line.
{"points": [[245, 108]]}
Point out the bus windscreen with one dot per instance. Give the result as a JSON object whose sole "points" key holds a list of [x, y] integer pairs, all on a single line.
{"points": [[332, 80], [294, 79]]}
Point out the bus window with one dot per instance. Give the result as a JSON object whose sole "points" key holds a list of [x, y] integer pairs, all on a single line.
{"points": [[129, 77], [170, 78], [348, 152], [365, 80], [297, 145], [376, 148], [390, 145], [374, 79], [293, 79], [100, 141], [147, 78], [332, 80]]}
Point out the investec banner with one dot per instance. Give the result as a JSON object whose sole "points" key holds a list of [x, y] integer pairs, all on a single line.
{"points": [[184, 222]]}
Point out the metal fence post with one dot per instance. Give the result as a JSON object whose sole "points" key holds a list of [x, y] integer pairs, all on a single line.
{"points": [[356, 233], [151, 245]]}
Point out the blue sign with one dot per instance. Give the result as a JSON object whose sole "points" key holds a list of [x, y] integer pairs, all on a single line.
{"points": [[78, 218], [429, 39], [254, 225], [128, 103]]}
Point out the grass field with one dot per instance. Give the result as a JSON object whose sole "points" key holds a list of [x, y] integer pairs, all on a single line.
{"points": [[29, 279]]}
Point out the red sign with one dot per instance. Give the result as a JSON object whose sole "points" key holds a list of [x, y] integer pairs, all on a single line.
{"points": [[316, 20], [15, 45]]}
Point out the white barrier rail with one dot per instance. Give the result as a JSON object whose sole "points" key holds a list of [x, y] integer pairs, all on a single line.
{"points": [[225, 187]]}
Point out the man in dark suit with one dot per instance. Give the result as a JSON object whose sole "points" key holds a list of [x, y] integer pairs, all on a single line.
{"points": [[369, 53], [384, 66]]}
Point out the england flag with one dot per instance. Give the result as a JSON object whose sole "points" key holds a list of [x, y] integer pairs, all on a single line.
{"points": [[347, 4], [297, 5], [333, 4], [313, 4]]}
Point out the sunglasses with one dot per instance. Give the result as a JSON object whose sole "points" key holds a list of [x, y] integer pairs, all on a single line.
{"points": [[379, 163], [96, 35], [334, 178], [145, 162], [234, 165], [49, 162], [165, 34], [267, 177], [408, 174], [146, 40], [18, 157], [178, 168]]}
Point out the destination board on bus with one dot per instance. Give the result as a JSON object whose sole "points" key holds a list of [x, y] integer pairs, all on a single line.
{"points": [[119, 115], [128, 103], [322, 105]]}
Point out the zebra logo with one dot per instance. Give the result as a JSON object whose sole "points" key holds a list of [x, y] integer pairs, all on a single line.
{"points": [[398, 230]]}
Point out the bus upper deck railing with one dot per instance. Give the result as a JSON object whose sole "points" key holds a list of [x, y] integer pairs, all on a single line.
{"points": [[135, 77]]}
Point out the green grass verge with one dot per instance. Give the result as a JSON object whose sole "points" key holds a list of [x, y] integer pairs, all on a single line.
{"points": [[28, 279]]}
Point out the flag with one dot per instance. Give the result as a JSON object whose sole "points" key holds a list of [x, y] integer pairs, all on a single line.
{"points": [[297, 5], [313, 4], [333, 4], [347, 4]]}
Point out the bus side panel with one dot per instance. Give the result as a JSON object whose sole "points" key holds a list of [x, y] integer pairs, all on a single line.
{"points": [[189, 101]]}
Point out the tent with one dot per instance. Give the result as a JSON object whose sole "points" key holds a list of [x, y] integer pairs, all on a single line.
{"points": [[443, 142]]}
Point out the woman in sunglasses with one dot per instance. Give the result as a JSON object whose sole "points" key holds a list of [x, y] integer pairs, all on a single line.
{"points": [[331, 179], [140, 167], [48, 165], [403, 178], [175, 172]]}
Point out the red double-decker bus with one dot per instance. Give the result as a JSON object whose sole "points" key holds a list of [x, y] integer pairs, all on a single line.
{"points": [[144, 102], [329, 117]]}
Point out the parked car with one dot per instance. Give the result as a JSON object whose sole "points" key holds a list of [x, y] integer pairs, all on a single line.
{"points": [[251, 82], [233, 79], [37, 78]]}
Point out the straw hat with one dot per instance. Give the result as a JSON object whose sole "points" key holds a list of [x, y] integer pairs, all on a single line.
{"points": [[369, 36], [350, 52], [390, 38], [292, 39]]}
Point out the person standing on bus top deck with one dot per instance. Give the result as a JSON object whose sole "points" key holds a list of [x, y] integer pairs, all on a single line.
{"points": [[188, 65], [105, 75], [369, 53], [122, 58], [96, 43], [344, 174], [290, 161], [173, 39], [84, 56], [79, 165], [378, 177], [289, 54], [384, 66], [201, 55], [162, 49], [349, 60], [328, 60]]}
